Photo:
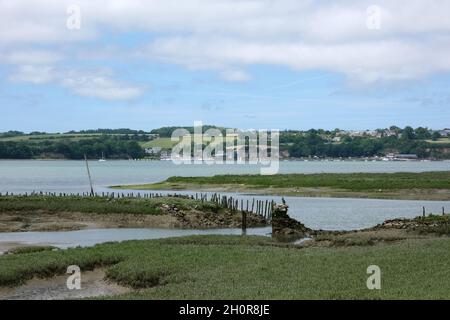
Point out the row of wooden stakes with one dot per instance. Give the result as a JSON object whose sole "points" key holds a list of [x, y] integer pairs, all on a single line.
{"points": [[263, 208]]}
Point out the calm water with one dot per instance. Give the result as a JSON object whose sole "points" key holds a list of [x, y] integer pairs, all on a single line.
{"points": [[317, 213], [91, 237], [343, 214], [70, 176]]}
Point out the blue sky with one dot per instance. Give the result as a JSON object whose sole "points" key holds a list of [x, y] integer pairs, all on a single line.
{"points": [[235, 63]]}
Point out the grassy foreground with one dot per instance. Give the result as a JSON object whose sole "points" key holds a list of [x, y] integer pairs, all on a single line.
{"points": [[233, 267], [420, 186]]}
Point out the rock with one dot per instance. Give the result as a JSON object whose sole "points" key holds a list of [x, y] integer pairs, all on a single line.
{"points": [[284, 226]]}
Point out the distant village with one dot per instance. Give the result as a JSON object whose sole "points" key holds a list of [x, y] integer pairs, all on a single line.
{"points": [[332, 137]]}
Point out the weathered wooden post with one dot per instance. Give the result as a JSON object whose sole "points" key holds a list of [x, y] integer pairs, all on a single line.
{"points": [[89, 174], [423, 212], [244, 222]]}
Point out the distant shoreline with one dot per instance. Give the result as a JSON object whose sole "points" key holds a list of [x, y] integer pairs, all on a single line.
{"points": [[433, 185], [281, 160]]}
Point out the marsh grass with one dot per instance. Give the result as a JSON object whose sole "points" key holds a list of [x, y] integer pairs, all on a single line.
{"points": [[31, 249], [350, 181], [234, 267], [99, 205], [433, 224]]}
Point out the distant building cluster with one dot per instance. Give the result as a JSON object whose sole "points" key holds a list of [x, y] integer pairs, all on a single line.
{"points": [[367, 133], [381, 133], [445, 132]]}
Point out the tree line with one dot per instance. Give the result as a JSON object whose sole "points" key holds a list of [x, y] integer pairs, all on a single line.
{"points": [[110, 146]]}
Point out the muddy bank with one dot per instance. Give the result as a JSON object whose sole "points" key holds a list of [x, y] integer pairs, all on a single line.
{"points": [[70, 221], [172, 218], [93, 284]]}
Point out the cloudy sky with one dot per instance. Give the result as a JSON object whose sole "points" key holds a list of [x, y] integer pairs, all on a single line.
{"points": [[352, 64]]}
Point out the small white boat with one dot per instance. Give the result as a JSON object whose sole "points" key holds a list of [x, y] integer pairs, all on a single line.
{"points": [[103, 158]]}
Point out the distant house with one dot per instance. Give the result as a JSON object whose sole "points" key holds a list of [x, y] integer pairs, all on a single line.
{"points": [[165, 155], [445, 132], [389, 133], [336, 139], [401, 157], [154, 150], [364, 133], [406, 157]]}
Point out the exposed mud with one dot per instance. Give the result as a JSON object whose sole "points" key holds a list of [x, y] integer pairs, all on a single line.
{"points": [[93, 284], [172, 217]]}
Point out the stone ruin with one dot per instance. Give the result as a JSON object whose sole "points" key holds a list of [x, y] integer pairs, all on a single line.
{"points": [[284, 226]]}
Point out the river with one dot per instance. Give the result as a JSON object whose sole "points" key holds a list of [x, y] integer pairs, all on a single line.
{"points": [[317, 213]]}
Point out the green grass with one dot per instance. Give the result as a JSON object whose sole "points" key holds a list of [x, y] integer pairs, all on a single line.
{"points": [[31, 249], [434, 224], [233, 267], [440, 141], [167, 143], [350, 181], [99, 204], [43, 137], [164, 143]]}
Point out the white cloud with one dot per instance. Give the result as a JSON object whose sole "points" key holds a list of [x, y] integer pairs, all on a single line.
{"points": [[95, 84], [101, 87], [30, 57], [228, 35], [235, 76], [34, 74]]}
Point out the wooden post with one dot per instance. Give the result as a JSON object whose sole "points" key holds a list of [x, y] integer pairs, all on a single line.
{"points": [[89, 174], [443, 211], [244, 221], [423, 212]]}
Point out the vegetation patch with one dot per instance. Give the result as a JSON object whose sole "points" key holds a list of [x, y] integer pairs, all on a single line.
{"points": [[350, 181], [31, 249], [57, 213], [100, 205], [236, 267], [423, 186]]}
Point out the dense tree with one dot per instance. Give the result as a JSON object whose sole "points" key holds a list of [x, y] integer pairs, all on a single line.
{"points": [[111, 146]]}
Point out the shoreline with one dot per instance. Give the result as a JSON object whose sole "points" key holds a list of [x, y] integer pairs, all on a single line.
{"points": [[428, 195], [430, 185], [71, 213]]}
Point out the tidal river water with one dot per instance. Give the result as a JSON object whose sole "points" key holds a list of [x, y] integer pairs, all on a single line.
{"points": [[318, 213]]}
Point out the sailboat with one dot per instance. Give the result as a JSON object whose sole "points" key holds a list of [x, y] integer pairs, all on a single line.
{"points": [[103, 158]]}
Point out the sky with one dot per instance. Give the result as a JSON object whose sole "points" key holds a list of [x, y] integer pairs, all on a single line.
{"points": [[267, 64]]}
